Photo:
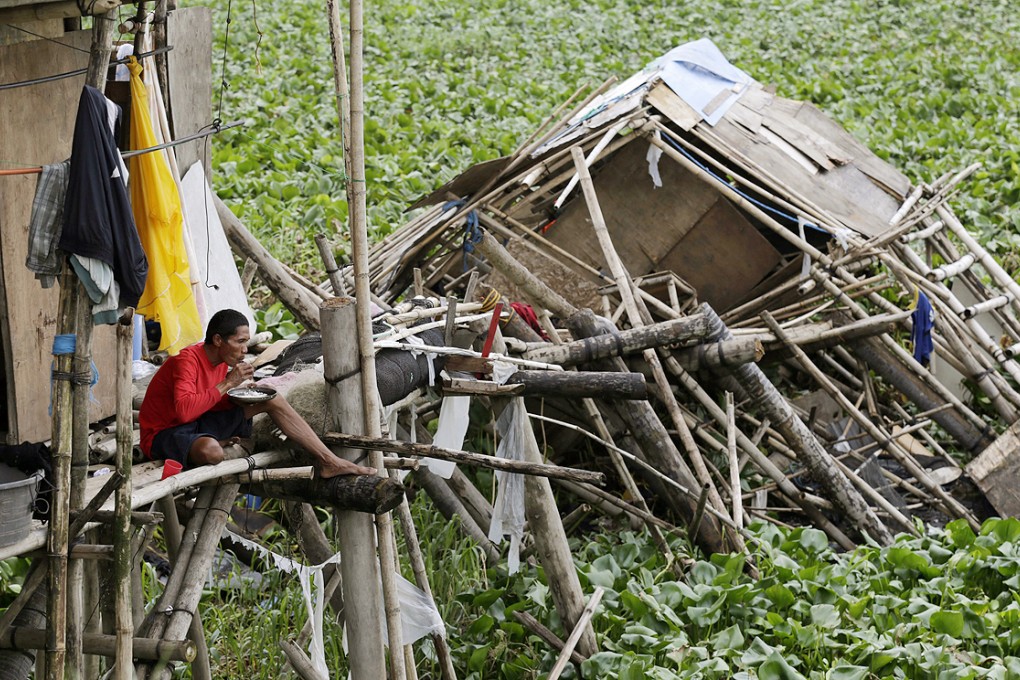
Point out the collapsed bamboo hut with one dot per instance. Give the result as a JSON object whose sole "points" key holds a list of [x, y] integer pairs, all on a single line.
{"points": [[809, 260], [729, 347]]}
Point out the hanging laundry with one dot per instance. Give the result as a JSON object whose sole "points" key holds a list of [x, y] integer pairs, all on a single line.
{"points": [[156, 202], [47, 222], [97, 212], [924, 321]]}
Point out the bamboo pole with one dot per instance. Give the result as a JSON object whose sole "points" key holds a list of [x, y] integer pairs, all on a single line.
{"points": [[809, 451], [125, 625], [356, 191], [421, 578], [626, 289], [734, 466], [198, 565], [904, 356], [80, 397], [656, 444], [340, 87], [57, 537], [357, 535], [575, 635], [104, 645], [481, 460], [173, 536]]}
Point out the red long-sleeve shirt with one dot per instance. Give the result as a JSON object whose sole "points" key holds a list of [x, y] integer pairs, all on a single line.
{"points": [[183, 389]]}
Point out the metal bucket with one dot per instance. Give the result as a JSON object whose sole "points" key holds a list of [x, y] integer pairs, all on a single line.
{"points": [[17, 501]]}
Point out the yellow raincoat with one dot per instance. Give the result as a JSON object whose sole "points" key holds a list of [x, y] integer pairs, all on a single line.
{"points": [[156, 204]]}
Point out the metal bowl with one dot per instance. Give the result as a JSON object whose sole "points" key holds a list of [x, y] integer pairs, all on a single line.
{"points": [[251, 395]]}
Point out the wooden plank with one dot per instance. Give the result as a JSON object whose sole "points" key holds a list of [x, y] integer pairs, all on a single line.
{"points": [[189, 32], [722, 242], [31, 138], [644, 222], [997, 472], [672, 106]]}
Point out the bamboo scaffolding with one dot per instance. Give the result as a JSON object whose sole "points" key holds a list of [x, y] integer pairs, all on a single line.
{"points": [[951, 505]]}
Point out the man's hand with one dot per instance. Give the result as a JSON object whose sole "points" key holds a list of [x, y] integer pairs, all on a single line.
{"points": [[240, 374]]}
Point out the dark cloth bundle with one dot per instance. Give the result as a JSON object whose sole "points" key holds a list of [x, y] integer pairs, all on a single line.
{"points": [[97, 211]]}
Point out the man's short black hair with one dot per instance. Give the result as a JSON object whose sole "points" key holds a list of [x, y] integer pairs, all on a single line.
{"points": [[224, 323]]}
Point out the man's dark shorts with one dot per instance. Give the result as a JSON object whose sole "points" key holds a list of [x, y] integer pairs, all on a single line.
{"points": [[174, 443]]}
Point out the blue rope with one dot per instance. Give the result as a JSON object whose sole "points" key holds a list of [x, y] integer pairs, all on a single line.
{"points": [[472, 232], [764, 206], [63, 345]]}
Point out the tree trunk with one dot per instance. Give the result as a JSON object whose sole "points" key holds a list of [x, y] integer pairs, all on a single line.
{"points": [[354, 493], [688, 329], [581, 384]]}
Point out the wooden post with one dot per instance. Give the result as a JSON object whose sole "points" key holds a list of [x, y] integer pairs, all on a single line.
{"points": [[123, 559], [296, 299], [691, 328], [359, 568], [553, 548]]}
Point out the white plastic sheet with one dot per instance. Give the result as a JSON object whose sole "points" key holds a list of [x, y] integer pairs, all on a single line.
{"points": [[450, 433], [508, 510]]}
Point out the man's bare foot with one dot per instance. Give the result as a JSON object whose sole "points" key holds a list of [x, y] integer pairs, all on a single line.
{"points": [[335, 467]]}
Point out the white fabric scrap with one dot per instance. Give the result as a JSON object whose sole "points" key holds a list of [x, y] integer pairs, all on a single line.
{"points": [[508, 510], [653, 156], [805, 267], [418, 613], [502, 370]]}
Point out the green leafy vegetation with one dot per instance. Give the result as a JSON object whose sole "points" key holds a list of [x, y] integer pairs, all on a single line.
{"points": [[942, 605]]}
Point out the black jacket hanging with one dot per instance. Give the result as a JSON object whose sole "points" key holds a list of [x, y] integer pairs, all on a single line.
{"points": [[97, 211]]}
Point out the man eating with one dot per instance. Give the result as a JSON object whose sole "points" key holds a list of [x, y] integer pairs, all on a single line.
{"points": [[187, 416]]}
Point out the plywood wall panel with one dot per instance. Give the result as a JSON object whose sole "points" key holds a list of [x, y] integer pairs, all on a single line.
{"points": [[36, 126]]}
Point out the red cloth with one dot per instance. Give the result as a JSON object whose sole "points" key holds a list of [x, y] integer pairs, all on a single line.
{"points": [[182, 390], [527, 313]]}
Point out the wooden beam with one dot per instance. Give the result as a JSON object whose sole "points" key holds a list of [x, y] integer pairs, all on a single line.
{"points": [[481, 460]]}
